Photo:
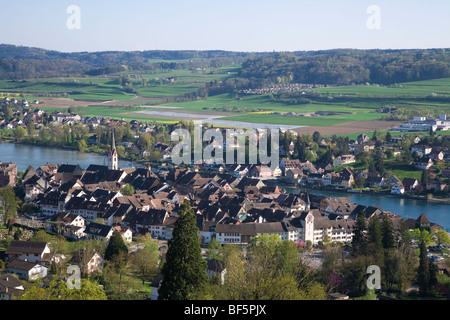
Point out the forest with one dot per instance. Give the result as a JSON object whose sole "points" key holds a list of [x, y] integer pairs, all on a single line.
{"points": [[18, 63], [344, 67], [259, 69]]}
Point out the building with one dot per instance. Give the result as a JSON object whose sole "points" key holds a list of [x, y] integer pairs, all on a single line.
{"points": [[89, 261], [113, 157], [26, 270], [343, 160], [398, 188], [97, 231], [216, 268], [31, 251], [10, 287]]}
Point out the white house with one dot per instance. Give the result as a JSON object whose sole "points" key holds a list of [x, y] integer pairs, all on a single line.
{"points": [[127, 233], [344, 159], [31, 251], [216, 268], [398, 188], [90, 262], [26, 270]]}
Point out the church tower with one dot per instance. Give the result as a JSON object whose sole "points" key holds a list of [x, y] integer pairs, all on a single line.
{"points": [[113, 158]]}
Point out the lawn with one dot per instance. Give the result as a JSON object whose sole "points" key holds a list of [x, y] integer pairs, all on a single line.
{"points": [[404, 171]]}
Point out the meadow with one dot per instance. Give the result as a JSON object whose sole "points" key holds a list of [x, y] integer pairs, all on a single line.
{"points": [[103, 96]]}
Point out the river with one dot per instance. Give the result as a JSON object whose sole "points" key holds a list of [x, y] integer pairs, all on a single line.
{"points": [[406, 208], [25, 155]]}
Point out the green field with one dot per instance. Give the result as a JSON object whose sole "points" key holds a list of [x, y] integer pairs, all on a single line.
{"points": [[360, 101]]}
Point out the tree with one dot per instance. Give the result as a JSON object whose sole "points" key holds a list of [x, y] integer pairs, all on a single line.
{"points": [[8, 204], [424, 270], [7, 113], [184, 272], [375, 235], [316, 136], [145, 262], [379, 160], [440, 237], [387, 231], [19, 133], [359, 242], [116, 245], [425, 178], [234, 285], [214, 250], [115, 274], [58, 290], [128, 190], [81, 145], [31, 128]]}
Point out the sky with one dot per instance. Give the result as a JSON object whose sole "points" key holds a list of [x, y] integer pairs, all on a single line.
{"points": [[235, 25]]}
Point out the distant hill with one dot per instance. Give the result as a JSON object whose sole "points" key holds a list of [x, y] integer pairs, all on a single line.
{"points": [[259, 69], [18, 62], [347, 66]]}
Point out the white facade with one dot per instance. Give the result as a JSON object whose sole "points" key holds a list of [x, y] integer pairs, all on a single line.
{"points": [[397, 189]]}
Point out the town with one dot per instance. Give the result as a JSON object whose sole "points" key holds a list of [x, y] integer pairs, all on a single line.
{"points": [[233, 204]]}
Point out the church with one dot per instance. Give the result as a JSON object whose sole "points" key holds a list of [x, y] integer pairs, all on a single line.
{"points": [[113, 158]]}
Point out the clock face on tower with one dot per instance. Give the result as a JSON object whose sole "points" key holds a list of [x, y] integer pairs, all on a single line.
{"points": [[309, 218]]}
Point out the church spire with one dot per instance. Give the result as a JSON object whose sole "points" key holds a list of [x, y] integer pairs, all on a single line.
{"points": [[113, 158], [113, 143]]}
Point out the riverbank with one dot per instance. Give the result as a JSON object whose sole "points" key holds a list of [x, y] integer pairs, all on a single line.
{"points": [[73, 149], [281, 184]]}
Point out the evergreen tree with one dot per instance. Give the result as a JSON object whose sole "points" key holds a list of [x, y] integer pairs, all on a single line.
{"points": [[116, 245], [425, 178], [387, 233], [375, 235], [184, 272], [359, 242], [424, 271]]}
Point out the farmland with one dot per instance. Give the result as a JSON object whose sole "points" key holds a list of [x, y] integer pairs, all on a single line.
{"points": [[102, 95]]}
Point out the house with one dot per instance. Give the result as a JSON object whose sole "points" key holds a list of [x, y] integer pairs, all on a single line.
{"points": [[362, 138], [242, 233], [392, 180], [26, 270], [88, 261], [261, 172], [71, 225], [294, 175], [375, 180], [286, 164], [436, 185], [98, 231], [410, 183], [398, 188], [125, 232], [343, 160], [31, 251], [315, 178], [437, 155], [369, 212], [216, 268], [421, 149], [10, 287], [423, 163]]}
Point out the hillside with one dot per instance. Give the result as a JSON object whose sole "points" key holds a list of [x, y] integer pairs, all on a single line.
{"points": [[342, 67], [19, 63]]}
